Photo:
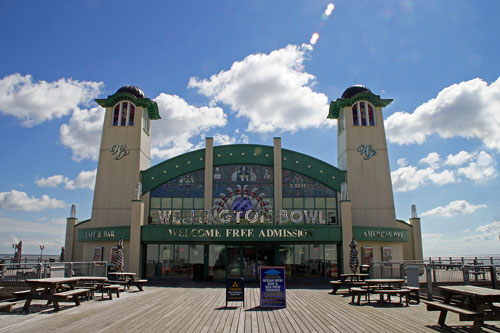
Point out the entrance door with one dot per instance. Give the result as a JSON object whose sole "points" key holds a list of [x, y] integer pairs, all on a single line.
{"points": [[234, 261], [265, 255], [249, 262]]}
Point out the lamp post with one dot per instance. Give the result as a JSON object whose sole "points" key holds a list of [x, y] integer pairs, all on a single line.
{"points": [[41, 251]]}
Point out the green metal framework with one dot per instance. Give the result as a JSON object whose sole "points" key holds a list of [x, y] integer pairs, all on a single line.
{"points": [[146, 103], [242, 154], [339, 103]]}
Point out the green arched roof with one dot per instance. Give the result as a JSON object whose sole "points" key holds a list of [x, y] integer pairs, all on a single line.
{"points": [[146, 103], [242, 154], [339, 103]]}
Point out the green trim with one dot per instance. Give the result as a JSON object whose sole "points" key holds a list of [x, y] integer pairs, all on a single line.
{"points": [[339, 103], [213, 234], [241, 154], [172, 168], [380, 234], [314, 168], [103, 234], [80, 223], [146, 103]]}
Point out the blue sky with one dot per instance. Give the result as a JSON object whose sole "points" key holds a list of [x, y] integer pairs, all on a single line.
{"points": [[246, 71]]}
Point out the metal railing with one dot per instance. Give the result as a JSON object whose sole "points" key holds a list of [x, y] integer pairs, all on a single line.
{"points": [[431, 274], [13, 275], [22, 271]]}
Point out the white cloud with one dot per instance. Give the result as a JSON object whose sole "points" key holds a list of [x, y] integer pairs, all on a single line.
{"points": [[410, 178], [459, 159], [402, 162], [224, 139], [487, 232], [454, 208], [36, 102], [180, 122], [442, 178], [480, 170], [85, 179], [83, 133], [481, 167], [468, 109], [432, 160], [271, 90], [52, 181], [15, 200]]}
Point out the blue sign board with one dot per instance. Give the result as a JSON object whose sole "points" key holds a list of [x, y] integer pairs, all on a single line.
{"points": [[272, 287]]}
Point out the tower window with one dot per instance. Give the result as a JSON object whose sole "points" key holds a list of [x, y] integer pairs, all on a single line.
{"points": [[145, 120], [123, 114], [363, 114]]}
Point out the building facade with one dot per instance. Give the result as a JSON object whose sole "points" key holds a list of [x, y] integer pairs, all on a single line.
{"points": [[223, 211]]}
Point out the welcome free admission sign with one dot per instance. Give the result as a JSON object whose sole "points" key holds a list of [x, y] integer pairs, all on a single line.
{"points": [[272, 287]]}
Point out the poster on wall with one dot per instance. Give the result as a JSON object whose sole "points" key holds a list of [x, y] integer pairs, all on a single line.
{"points": [[98, 253], [367, 255], [386, 254]]}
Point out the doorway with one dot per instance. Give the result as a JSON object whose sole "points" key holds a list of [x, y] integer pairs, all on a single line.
{"points": [[244, 261]]}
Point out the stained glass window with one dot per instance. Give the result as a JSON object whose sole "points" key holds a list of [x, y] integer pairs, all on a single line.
{"points": [[363, 114], [301, 192], [184, 193]]}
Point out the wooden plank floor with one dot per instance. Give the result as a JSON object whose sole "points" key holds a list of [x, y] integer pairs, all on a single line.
{"points": [[168, 309]]}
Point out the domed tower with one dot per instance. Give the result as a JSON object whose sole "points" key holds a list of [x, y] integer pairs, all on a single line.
{"points": [[125, 151], [362, 151]]}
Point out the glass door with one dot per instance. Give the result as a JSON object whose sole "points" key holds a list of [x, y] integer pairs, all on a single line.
{"points": [[249, 262], [233, 261]]}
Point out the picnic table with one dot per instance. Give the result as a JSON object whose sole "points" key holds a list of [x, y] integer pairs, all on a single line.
{"points": [[54, 290], [383, 287], [475, 304], [348, 280], [126, 279]]}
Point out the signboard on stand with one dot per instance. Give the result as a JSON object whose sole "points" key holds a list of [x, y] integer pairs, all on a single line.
{"points": [[272, 287], [235, 290]]}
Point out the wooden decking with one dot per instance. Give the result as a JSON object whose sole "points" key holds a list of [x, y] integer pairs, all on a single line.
{"points": [[168, 309]]}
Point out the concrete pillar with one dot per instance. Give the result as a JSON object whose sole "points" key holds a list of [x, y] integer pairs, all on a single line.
{"points": [[209, 174], [136, 222], [417, 238], [346, 219], [278, 179], [70, 238]]}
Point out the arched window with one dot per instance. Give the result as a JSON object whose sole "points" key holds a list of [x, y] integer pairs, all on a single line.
{"points": [[123, 114], [363, 114]]}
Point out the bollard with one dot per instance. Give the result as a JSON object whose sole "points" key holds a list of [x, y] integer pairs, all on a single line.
{"points": [[465, 270], [402, 271], [494, 282], [429, 281]]}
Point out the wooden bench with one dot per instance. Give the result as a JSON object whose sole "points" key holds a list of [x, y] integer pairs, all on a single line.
{"points": [[91, 289], [109, 289], [356, 291], [415, 291], [335, 285], [390, 292], [6, 306], [23, 294], [464, 314], [139, 283], [124, 283], [74, 294]]}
